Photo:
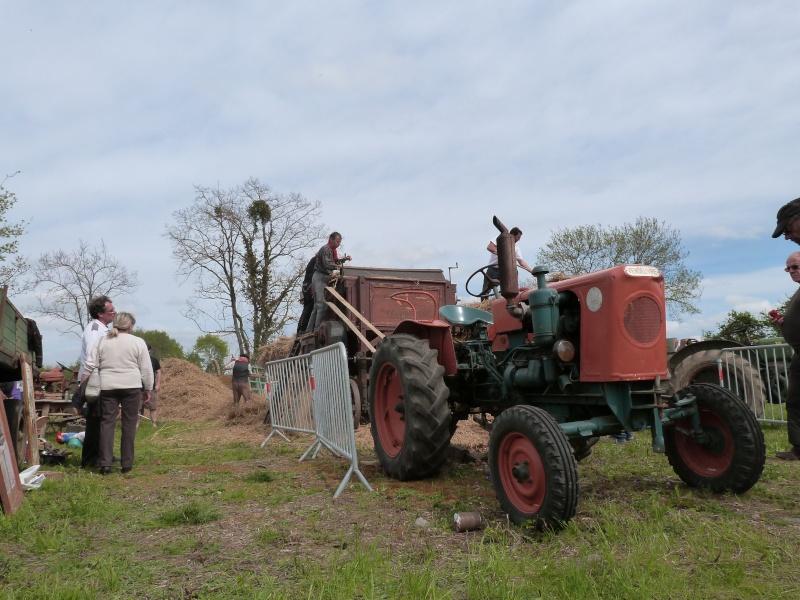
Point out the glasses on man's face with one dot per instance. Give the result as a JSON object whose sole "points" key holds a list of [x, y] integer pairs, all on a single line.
{"points": [[792, 268], [788, 228]]}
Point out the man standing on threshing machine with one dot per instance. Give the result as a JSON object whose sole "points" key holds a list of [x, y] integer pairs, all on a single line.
{"points": [[493, 272], [789, 225], [327, 263], [307, 297]]}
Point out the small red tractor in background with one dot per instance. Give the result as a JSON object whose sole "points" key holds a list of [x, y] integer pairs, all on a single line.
{"points": [[556, 367], [53, 382]]}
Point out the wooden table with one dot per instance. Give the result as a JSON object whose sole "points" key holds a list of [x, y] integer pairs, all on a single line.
{"points": [[45, 407]]}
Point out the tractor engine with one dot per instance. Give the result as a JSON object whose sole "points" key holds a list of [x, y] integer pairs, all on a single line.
{"points": [[602, 327]]}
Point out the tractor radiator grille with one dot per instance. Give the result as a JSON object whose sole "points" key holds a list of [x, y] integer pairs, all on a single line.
{"points": [[643, 320]]}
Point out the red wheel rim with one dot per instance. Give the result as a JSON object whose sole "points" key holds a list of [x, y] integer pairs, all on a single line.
{"points": [[706, 460], [390, 424], [521, 473]]}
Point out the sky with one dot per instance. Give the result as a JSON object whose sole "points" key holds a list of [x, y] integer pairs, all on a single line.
{"points": [[412, 123]]}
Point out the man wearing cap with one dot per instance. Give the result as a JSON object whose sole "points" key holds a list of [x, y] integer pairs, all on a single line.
{"points": [[789, 221], [789, 225]]}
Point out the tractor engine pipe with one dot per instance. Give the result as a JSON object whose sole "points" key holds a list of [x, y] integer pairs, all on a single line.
{"points": [[507, 265]]}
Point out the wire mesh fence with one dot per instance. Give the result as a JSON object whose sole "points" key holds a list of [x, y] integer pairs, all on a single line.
{"points": [[759, 375]]}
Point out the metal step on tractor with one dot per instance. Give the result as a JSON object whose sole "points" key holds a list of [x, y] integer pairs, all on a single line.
{"points": [[554, 369]]}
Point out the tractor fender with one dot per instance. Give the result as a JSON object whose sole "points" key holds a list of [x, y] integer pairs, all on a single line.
{"points": [[437, 332], [696, 347]]}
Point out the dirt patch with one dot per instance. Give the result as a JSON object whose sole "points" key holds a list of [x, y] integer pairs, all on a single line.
{"points": [[189, 394]]}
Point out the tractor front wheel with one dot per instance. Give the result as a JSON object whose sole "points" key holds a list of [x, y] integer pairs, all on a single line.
{"points": [[730, 455], [409, 414], [533, 469]]}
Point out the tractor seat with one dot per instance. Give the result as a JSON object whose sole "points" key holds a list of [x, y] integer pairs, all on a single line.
{"points": [[463, 316]]}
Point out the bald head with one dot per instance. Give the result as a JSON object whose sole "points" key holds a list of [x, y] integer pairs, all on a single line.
{"points": [[793, 266]]}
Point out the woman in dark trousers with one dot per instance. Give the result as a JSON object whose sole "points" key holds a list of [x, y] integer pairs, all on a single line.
{"points": [[124, 366]]}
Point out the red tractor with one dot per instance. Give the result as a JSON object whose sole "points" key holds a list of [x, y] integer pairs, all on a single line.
{"points": [[556, 367]]}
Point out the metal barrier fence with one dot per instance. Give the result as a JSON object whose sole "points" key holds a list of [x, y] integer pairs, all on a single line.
{"points": [[311, 394], [759, 375]]}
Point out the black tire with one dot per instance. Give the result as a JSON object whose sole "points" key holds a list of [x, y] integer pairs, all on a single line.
{"points": [[733, 458], [409, 414], [355, 399], [533, 470], [702, 367], [16, 426]]}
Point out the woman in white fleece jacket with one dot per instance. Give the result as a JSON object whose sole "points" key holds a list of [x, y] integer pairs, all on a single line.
{"points": [[123, 363]]}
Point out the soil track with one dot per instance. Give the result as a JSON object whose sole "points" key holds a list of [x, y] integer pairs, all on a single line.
{"points": [[189, 394]]}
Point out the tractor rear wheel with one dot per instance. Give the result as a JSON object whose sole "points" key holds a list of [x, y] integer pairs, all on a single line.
{"points": [[732, 457], [533, 469], [741, 377], [409, 414]]}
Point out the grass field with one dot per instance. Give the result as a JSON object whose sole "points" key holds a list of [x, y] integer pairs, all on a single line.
{"points": [[202, 517]]}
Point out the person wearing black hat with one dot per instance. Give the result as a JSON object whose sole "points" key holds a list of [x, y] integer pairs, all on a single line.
{"points": [[788, 223], [790, 328]]}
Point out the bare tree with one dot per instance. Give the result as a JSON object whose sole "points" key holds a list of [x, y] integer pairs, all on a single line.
{"points": [[12, 265], [64, 282], [244, 248], [588, 248]]}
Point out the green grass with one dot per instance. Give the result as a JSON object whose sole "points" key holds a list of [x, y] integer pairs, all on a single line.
{"points": [[233, 520]]}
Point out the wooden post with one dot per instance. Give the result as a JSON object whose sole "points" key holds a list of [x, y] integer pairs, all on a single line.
{"points": [[29, 409], [10, 485]]}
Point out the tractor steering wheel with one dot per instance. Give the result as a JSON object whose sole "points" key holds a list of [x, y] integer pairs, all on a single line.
{"points": [[493, 290]]}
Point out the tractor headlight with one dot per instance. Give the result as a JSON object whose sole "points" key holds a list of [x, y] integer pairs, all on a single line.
{"points": [[564, 350]]}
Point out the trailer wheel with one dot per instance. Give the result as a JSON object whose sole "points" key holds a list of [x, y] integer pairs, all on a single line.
{"points": [[701, 367], [16, 426], [355, 398], [533, 469], [409, 414], [733, 456]]}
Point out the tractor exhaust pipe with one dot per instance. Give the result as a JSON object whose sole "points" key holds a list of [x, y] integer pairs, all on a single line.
{"points": [[507, 264]]}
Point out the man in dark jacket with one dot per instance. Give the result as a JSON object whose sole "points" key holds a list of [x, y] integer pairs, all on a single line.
{"points": [[790, 328], [308, 296], [327, 264]]}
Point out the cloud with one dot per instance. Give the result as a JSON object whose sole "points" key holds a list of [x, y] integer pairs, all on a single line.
{"points": [[412, 123]]}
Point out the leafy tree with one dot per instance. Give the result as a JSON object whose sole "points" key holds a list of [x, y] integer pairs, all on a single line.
{"points": [[65, 282], [587, 248], [207, 349], [163, 345], [244, 247], [742, 327], [745, 327], [12, 264]]}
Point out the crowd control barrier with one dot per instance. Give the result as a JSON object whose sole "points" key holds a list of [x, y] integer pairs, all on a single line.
{"points": [[759, 375], [311, 394]]}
